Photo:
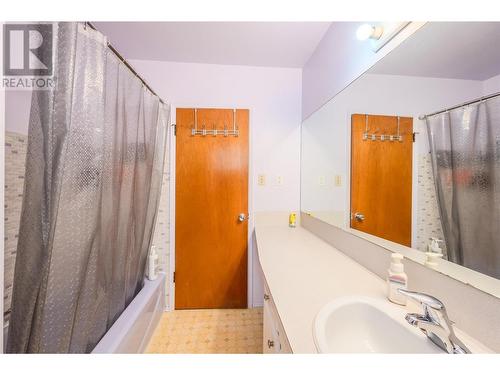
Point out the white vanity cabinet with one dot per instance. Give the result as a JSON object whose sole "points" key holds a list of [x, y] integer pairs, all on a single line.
{"points": [[274, 337]]}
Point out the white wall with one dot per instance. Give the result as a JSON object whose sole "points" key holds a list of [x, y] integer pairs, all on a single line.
{"points": [[338, 60], [491, 85], [273, 96]]}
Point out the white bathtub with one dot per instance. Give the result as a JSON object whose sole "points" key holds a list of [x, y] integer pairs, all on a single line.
{"points": [[135, 326]]}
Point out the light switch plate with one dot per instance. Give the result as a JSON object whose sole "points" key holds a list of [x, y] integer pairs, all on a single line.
{"points": [[338, 180], [261, 179], [322, 180], [279, 180]]}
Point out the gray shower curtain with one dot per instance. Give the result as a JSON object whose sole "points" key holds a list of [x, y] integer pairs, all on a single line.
{"points": [[465, 152], [93, 176]]}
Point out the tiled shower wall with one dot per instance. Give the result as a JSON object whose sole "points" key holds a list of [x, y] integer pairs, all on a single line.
{"points": [[15, 159], [428, 219], [161, 238]]}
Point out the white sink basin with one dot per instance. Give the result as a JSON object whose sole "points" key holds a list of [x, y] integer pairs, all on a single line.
{"points": [[367, 325]]}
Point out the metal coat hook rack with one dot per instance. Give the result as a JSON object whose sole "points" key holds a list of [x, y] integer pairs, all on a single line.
{"points": [[235, 132], [381, 137]]}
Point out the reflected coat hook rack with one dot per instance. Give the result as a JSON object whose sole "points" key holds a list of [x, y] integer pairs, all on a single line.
{"points": [[214, 131], [381, 137]]}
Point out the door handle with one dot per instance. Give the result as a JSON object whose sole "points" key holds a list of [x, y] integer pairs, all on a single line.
{"points": [[242, 217], [359, 216]]}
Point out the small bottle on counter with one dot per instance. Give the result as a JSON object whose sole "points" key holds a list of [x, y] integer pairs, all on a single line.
{"points": [[292, 220], [152, 271], [396, 279], [434, 252]]}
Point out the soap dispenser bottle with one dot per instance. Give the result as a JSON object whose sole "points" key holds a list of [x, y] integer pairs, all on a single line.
{"points": [[152, 271], [434, 252], [396, 279]]}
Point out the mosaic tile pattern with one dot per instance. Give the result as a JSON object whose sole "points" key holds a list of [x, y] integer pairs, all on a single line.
{"points": [[428, 219], [161, 237], [15, 162], [208, 331]]}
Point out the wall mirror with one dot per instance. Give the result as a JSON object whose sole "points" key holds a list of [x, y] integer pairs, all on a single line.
{"points": [[410, 151]]}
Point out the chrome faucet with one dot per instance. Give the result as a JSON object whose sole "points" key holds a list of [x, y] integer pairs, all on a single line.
{"points": [[434, 322]]}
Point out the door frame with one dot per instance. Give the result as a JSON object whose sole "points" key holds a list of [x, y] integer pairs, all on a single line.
{"points": [[170, 304], [414, 172]]}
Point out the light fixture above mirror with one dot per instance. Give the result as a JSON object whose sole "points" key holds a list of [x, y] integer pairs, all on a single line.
{"points": [[367, 31], [379, 34]]}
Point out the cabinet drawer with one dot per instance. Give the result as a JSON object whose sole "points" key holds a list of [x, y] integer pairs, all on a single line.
{"points": [[274, 337]]}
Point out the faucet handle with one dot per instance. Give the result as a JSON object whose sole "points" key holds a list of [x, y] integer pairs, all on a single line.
{"points": [[435, 322], [424, 299]]}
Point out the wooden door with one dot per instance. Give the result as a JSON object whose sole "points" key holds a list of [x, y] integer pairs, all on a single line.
{"points": [[381, 177], [211, 191]]}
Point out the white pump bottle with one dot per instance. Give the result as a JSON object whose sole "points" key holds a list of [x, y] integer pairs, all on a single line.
{"points": [[396, 279]]}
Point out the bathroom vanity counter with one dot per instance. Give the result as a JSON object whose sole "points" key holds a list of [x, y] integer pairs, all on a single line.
{"points": [[303, 273]]}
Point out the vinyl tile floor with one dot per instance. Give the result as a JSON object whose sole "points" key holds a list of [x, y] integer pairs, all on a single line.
{"points": [[208, 331]]}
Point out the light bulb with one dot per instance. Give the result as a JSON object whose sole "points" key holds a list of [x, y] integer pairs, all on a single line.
{"points": [[367, 31], [364, 32]]}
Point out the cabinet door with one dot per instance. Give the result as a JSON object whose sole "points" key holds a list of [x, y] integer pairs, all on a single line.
{"points": [[270, 336], [285, 347]]}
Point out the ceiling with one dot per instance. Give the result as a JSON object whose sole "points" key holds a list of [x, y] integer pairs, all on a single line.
{"points": [[458, 50], [274, 44]]}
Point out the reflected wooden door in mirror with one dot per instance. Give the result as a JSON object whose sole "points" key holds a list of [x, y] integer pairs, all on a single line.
{"points": [[381, 176]]}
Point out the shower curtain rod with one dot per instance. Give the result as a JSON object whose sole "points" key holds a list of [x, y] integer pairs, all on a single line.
{"points": [[124, 61], [423, 117]]}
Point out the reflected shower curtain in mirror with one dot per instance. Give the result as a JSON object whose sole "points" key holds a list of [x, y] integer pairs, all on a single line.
{"points": [[93, 176], [465, 152]]}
